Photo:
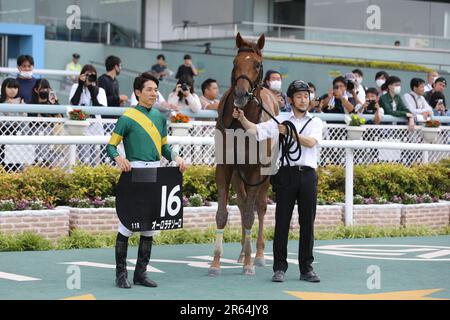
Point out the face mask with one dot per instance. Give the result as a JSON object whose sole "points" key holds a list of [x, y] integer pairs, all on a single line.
{"points": [[43, 95], [312, 96], [26, 74], [397, 90], [380, 82], [359, 80], [275, 85]]}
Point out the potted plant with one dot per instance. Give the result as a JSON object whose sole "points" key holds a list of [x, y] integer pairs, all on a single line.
{"points": [[355, 127], [77, 122], [180, 125], [430, 130]]}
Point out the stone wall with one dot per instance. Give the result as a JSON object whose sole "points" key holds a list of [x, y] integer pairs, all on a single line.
{"points": [[56, 223]]}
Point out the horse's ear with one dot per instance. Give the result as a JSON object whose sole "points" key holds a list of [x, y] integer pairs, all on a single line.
{"points": [[261, 41], [239, 40]]}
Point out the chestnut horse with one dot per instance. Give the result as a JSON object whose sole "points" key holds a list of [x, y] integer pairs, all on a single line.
{"points": [[250, 185]]}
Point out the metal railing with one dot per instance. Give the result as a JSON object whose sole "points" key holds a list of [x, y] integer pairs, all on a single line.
{"points": [[199, 31]]}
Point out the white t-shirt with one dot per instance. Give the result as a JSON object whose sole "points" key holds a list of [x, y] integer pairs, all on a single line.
{"points": [[314, 129], [193, 100], [85, 98]]}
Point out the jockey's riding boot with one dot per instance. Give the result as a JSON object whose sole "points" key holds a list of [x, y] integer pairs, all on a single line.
{"points": [[140, 273], [121, 265]]}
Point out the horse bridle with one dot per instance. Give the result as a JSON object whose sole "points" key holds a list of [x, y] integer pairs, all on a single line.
{"points": [[253, 86], [252, 95]]}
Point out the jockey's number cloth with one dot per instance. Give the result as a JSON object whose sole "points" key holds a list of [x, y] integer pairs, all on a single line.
{"points": [[150, 199]]}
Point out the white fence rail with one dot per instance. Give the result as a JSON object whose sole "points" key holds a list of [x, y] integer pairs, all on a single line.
{"points": [[15, 156]]}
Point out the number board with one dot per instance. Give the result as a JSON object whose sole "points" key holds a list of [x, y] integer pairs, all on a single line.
{"points": [[150, 199]]}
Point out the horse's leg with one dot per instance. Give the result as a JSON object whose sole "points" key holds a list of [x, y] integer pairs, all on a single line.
{"points": [[248, 218], [261, 208], [223, 176], [241, 255], [239, 187]]}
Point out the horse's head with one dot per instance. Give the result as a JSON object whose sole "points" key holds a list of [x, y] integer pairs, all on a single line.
{"points": [[248, 69]]}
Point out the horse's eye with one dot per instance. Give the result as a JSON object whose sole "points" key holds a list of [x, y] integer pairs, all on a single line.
{"points": [[257, 65]]}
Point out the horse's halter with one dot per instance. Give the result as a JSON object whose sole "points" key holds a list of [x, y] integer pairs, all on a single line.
{"points": [[253, 86]]}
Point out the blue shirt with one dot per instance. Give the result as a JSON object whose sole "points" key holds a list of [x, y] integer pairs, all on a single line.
{"points": [[26, 89]]}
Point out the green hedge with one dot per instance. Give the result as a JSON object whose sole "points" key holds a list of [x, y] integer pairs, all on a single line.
{"points": [[378, 180], [82, 240], [356, 63]]}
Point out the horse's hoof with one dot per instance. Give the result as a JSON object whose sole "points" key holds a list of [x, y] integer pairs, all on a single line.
{"points": [[248, 271], [259, 262], [240, 259], [214, 272]]}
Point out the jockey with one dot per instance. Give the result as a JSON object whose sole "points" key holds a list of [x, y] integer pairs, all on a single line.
{"points": [[143, 131]]}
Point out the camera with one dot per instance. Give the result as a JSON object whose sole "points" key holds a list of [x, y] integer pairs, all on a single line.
{"points": [[371, 105], [184, 87], [92, 77], [350, 84]]}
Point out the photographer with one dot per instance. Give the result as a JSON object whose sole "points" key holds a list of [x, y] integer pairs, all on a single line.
{"points": [[86, 92], [354, 94], [43, 93], [184, 97], [437, 101], [371, 106], [337, 100]]}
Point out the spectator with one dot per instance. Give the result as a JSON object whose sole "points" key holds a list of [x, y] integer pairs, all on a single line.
{"points": [[160, 68], [437, 102], [315, 103], [187, 69], [397, 43], [380, 80], [272, 81], [86, 92], [354, 91], [359, 79], [74, 66], [109, 83], [207, 48], [44, 94], [393, 104], [439, 85], [25, 64], [415, 101], [431, 78], [9, 94], [184, 97], [337, 100], [371, 106], [210, 91]]}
